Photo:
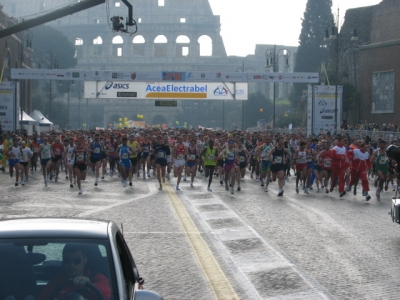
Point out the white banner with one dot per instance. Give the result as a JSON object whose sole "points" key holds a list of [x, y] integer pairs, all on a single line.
{"points": [[324, 108], [8, 113], [160, 76], [164, 90]]}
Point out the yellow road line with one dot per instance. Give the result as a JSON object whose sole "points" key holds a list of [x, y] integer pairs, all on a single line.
{"points": [[219, 284]]}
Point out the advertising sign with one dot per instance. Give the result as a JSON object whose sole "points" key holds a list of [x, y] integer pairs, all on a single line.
{"points": [[324, 108], [162, 76], [8, 113], [167, 90]]}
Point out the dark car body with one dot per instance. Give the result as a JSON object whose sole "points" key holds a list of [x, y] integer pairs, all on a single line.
{"points": [[31, 256]]}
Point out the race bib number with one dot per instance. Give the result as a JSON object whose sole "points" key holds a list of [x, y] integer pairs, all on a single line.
{"points": [[278, 159], [97, 150], [35, 149], [230, 156], [13, 155], [242, 159], [180, 156], [161, 155], [211, 156], [125, 156], [57, 151], [382, 160], [80, 157], [192, 157], [46, 153], [327, 163]]}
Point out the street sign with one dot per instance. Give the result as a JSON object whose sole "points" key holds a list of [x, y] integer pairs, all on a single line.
{"points": [[167, 103]]}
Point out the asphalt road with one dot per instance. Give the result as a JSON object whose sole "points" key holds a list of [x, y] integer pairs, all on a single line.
{"points": [[315, 246]]}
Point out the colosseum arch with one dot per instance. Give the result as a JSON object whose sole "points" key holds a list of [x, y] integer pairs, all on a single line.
{"points": [[206, 45], [98, 46], [160, 46], [95, 121], [117, 42], [159, 120], [114, 120], [138, 45], [78, 47], [182, 46]]}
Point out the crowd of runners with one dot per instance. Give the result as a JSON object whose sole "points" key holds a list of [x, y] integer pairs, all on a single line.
{"points": [[317, 163]]}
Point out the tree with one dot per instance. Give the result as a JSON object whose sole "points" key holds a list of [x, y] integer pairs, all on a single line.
{"points": [[46, 40], [257, 107], [312, 51]]}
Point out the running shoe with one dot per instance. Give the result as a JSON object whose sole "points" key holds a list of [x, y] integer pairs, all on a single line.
{"points": [[209, 189], [221, 182], [191, 185], [16, 183], [160, 188], [239, 188], [71, 185], [66, 177], [378, 194], [232, 192], [355, 190], [130, 183], [348, 188], [80, 192], [386, 187], [266, 189], [124, 183], [226, 187], [178, 188], [297, 190], [342, 194], [23, 182], [280, 193], [367, 197]]}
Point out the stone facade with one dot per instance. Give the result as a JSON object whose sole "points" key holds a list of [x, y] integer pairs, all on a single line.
{"points": [[173, 35], [376, 51]]}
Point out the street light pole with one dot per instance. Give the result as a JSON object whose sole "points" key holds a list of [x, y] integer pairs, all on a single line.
{"points": [[242, 69], [273, 56]]}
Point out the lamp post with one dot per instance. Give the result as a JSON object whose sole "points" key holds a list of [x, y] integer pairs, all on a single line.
{"points": [[71, 85], [242, 69], [273, 55], [26, 47]]}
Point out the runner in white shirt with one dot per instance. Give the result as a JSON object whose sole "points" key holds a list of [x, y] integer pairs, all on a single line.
{"points": [[24, 162], [69, 160]]}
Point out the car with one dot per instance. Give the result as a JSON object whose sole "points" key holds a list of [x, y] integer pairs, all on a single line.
{"points": [[67, 258]]}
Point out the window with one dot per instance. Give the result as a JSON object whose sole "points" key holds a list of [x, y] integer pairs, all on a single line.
{"points": [[119, 52], [185, 51], [78, 42], [139, 20], [161, 3], [126, 264], [117, 4], [183, 20]]}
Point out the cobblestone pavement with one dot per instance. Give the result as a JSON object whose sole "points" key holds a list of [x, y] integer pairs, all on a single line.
{"points": [[297, 246]]}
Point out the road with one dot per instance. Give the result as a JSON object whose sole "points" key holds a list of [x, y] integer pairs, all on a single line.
{"points": [[195, 244]]}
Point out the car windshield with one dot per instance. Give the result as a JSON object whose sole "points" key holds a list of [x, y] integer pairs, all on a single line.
{"points": [[56, 268]]}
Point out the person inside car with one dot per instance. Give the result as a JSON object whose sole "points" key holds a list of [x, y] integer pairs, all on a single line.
{"points": [[75, 280]]}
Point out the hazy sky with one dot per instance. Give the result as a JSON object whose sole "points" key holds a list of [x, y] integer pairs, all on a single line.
{"points": [[245, 23]]}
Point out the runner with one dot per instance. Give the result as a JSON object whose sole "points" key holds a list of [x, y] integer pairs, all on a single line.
{"points": [[339, 165], [45, 159], [124, 152], [26, 155], [381, 167], [192, 160], [161, 152], [209, 158], [179, 153], [35, 148], [69, 161], [133, 157], [300, 158], [230, 156], [146, 147], [95, 149], [57, 153], [263, 152], [359, 166], [242, 162], [80, 166], [14, 154], [278, 158]]}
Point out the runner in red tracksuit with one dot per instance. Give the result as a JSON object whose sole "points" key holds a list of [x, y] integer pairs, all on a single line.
{"points": [[360, 164], [339, 164]]}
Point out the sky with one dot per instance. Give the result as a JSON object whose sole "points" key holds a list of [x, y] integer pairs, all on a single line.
{"points": [[245, 23]]}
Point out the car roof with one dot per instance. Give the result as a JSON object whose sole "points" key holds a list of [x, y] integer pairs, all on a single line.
{"points": [[54, 228]]}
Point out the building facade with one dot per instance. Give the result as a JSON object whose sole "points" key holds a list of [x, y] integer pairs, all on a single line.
{"points": [[173, 35]]}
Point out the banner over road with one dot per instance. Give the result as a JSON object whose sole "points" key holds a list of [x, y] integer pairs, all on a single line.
{"points": [[163, 76], [166, 90]]}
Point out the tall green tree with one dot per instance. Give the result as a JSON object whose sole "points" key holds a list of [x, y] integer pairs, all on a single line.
{"points": [[312, 48]]}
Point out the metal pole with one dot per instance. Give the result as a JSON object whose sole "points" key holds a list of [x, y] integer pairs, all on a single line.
{"points": [[69, 96], [223, 114], [337, 74], [273, 70], [79, 118]]}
